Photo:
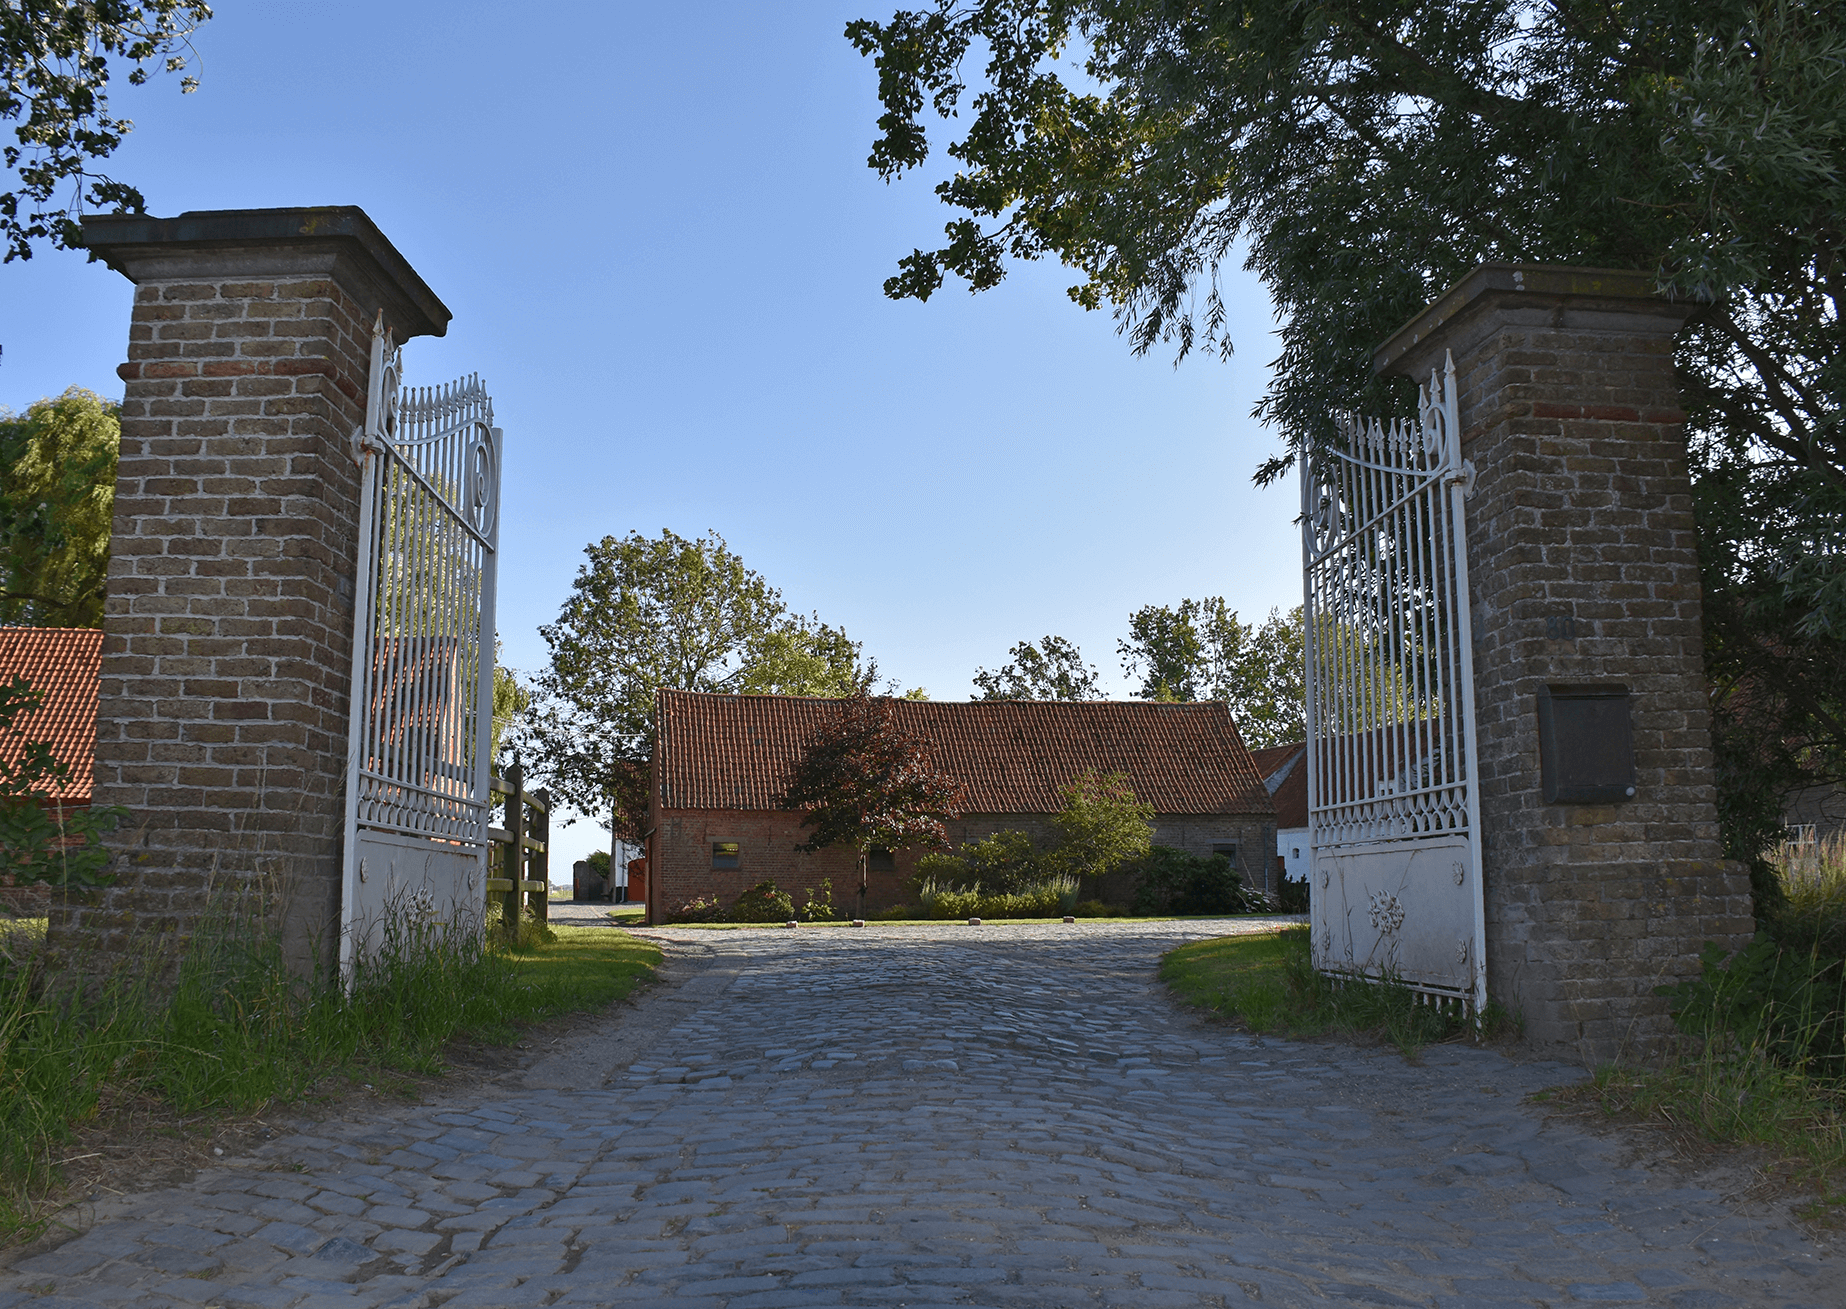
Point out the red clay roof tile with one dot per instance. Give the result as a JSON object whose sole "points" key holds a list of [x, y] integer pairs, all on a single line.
{"points": [[63, 663], [738, 752], [1291, 794]]}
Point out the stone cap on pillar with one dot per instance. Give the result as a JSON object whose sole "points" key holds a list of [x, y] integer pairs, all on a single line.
{"points": [[1529, 295], [326, 240]]}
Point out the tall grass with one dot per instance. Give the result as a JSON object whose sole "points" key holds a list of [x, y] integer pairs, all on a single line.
{"points": [[233, 1029], [1049, 897], [1764, 1062]]}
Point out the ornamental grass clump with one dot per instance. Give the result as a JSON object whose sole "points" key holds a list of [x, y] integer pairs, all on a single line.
{"points": [[1050, 897]]}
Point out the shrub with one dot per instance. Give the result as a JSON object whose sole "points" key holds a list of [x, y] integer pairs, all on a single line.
{"points": [[942, 869], [1178, 882], [1003, 863], [704, 909], [894, 914], [1092, 909], [819, 909], [762, 903], [1292, 895]]}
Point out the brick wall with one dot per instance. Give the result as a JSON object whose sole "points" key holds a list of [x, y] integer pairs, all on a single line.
{"points": [[680, 867], [221, 725], [1583, 568]]}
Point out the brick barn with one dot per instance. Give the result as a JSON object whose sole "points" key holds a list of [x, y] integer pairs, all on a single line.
{"points": [[722, 762]]}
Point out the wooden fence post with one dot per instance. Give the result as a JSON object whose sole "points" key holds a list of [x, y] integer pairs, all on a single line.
{"points": [[515, 849], [541, 857]]}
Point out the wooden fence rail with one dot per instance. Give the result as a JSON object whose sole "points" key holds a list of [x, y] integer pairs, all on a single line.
{"points": [[521, 849]]}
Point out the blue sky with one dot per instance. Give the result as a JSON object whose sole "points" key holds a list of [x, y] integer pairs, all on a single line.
{"points": [[664, 254]]}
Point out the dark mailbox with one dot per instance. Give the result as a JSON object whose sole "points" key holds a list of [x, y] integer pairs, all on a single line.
{"points": [[1585, 744]]}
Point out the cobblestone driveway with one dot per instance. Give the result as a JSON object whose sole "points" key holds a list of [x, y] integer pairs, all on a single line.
{"points": [[1002, 1116]]}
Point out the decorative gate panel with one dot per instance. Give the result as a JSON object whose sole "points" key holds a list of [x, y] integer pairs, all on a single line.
{"points": [[1393, 810], [423, 658]]}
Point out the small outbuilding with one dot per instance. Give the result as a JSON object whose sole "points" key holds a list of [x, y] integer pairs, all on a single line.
{"points": [[1285, 776], [722, 763]]}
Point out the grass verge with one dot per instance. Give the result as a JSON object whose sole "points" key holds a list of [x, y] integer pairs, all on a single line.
{"points": [[1760, 1061], [1267, 982], [1735, 1098], [235, 1031]]}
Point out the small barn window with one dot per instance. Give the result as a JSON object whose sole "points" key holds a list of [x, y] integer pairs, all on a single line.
{"points": [[880, 861], [1229, 851], [724, 854]]}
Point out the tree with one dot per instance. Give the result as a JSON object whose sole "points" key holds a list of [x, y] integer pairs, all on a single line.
{"points": [[1102, 826], [864, 781], [1360, 158], [56, 57], [57, 495], [645, 613], [37, 844], [1052, 670], [510, 701], [1200, 650]]}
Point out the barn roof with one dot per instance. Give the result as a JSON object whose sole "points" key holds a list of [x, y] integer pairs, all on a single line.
{"points": [[1284, 771], [62, 663], [1013, 756]]}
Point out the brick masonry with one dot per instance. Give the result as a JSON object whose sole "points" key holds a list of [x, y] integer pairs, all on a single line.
{"points": [[766, 840], [1582, 511], [221, 725]]}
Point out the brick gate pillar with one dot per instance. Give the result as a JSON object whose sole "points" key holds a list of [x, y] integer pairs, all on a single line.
{"points": [[1584, 577], [222, 721]]}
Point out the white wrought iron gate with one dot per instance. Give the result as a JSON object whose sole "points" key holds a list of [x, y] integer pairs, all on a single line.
{"points": [[1393, 806], [423, 659]]}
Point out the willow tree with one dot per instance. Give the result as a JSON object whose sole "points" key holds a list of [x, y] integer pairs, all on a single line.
{"points": [[1359, 157]]}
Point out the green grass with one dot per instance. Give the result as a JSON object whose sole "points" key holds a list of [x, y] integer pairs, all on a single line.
{"points": [[1738, 1097], [235, 1031], [1267, 982], [1762, 1057]]}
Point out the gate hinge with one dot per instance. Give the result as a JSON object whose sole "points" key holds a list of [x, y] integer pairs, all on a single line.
{"points": [[1464, 478]]}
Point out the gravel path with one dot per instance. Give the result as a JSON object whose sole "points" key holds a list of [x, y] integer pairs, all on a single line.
{"points": [[910, 1117]]}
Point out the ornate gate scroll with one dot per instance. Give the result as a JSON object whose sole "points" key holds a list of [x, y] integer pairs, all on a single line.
{"points": [[422, 689], [1393, 807]]}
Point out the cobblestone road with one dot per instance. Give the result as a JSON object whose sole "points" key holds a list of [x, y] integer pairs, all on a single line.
{"points": [[1001, 1116]]}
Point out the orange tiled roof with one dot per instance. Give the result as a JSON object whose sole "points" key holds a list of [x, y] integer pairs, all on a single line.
{"points": [[1291, 793], [1013, 756], [63, 663]]}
